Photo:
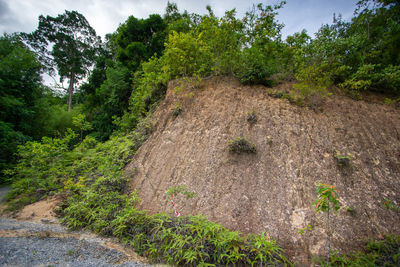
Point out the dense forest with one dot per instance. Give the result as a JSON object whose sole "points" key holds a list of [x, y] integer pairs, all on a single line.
{"points": [[77, 139]]}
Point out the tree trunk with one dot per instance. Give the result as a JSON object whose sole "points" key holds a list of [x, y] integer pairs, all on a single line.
{"points": [[329, 241], [71, 90]]}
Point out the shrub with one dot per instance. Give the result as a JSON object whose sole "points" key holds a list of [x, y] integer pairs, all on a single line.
{"points": [[384, 252], [186, 55], [177, 110], [342, 160], [313, 84], [186, 240], [241, 145], [255, 67], [251, 117]]}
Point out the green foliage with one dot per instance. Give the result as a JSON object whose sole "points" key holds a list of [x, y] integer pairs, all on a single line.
{"points": [[51, 117], [73, 44], [180, 189], [191, 240], [302, 230], [222, 37], [149, 87], [256, 66], [80, 122], [20, 90], [241, 145], [326, 196], [112, 100], [251, 117], [327, 199], [384, 252], [390, 205], [179, 22], [177, 110], [59, 164], [312, 84], [227, 45], [40, 169], [342, 160], [186, 55], [361, 54], [138, 40]]}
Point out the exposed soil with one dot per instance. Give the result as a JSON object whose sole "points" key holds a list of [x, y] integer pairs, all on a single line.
{"points": [[272, 191], [39, 211]]}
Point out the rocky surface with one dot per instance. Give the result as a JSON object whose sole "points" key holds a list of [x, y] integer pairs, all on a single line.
{"points": [[37, 244], [272, 191]]}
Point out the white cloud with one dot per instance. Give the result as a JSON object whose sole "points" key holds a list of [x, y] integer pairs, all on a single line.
{"points": [[106, 15]]}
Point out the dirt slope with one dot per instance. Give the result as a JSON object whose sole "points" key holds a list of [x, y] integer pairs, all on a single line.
{"points": [[272, 191]]}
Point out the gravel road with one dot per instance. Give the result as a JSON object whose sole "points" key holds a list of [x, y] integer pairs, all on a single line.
{"points": [[37, 244]]}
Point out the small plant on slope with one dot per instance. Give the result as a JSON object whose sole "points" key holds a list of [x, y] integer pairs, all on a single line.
{"points": [[241, 145], [173, 191], [342, 160], [251, 117], [327, 200], [177, 110]]}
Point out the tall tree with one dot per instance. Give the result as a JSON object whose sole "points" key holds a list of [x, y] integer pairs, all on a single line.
{"points": [[19, 89], [67, 43], [139, 39]]}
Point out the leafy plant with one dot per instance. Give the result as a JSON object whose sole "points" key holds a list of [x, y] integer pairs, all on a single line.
{"points": [[180, 189], [389, 204], [313, 84], [177, 110], [384, 252], [80, 122], [251, 117], [257, 66], [302, 230], [342, 160], [241, 145], [327, 199], [186, 55], [350, 210]]}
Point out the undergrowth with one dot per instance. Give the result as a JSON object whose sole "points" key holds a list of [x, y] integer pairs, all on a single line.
{"points": [[187, 240], [384, 252], [65, 165]]}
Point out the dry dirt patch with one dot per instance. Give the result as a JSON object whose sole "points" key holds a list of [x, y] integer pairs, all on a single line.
{"points": [[41, 210]]}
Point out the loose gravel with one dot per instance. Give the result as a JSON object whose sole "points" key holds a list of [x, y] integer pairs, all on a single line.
{"points": [[36, 247]]}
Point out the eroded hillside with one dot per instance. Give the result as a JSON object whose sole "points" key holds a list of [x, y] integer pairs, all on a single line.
{"points": [[272, 191]]}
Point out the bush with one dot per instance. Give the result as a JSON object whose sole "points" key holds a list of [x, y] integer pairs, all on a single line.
{"points": [[384, 252], [186, 55], [188, 240], [251, 117], [177, 110], [241, 145], [342, 160], [255, 67], [313, 84]]}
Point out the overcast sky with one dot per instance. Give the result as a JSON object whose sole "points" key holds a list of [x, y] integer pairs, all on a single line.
{"points": [[105, 15]]}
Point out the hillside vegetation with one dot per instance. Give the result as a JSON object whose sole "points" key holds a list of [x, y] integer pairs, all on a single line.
{"points": [[196, 88]]}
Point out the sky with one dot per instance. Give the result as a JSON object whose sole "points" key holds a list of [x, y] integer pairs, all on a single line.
{"points": [[105, 15]]}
